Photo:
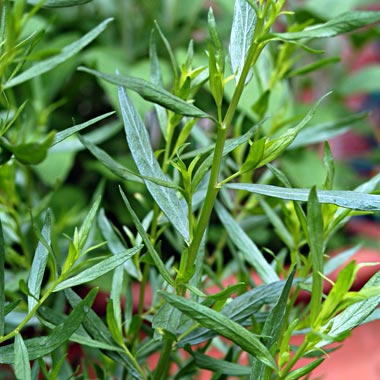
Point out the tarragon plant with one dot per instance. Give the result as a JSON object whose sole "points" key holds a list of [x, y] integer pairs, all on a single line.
{"points": [[225, 126]]}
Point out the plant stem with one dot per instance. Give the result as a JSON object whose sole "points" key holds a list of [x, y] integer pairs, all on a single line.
{"points": [[163, 363]]}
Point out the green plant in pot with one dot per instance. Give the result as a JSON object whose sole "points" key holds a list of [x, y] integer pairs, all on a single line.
{"points": [[217, 251]]}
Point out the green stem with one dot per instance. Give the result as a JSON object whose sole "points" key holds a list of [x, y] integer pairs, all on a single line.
{"points": [[212, 189]]}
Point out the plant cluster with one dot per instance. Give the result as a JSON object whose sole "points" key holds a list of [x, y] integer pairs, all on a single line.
{"points": [[190, 219]]}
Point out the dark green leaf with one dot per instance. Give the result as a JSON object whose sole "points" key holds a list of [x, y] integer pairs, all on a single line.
{"points": [[21, 364], [2, 281], [343, 23], [249, 249], [66, 53], [146, 239], [97, 330], [98, 269], [147, 164], [37, 270], [348, 199], [219, 366], [41, 346], [59, 3], [243, 28], [222, 325], [240, 309], [273, 325], [151, 92]]}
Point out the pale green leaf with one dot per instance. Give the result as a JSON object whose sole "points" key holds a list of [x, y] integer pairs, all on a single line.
{"points": [[348, 199], [66, 53], [21, 364], [243, 28], [249, 249], [37, 270], [147, 164]]}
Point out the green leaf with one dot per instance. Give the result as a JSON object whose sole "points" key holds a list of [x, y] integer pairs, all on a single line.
{"points": [[59, 3], [21, 364], [146, 239], [50, 63], [115, 244], [353, 315], [300, 372], [151, 92], [365, 80], [62, 135], [29, 153], [249, 249], [98, 269], [343, 23], [42, 346], [243, 28], [316, 244], [219, 366], [348, 199], [2, 281], [240, 309], [147, 164], [273, 325], [222, 325], [98, 330], [38, 267]]}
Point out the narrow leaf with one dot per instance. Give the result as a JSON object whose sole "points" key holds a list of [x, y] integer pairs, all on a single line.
{"points": [[21, 365], [343, 23], [151, 92], [59, 3], [39, 264], [115, 244], [223, 326], [41, 346], [316, 244], [349, 199], [2, 281], [50, 63], [300, 372], [249, 249], [62, 135], [243, 28], [98, 269], [145, 237], [147, 164]]}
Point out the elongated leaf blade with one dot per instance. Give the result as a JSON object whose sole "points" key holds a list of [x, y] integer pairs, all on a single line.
{"points": [[39, 264], [41, 346], [243, 28], [343, 23], [66, 53], [249, 249], [145, 237], [348, 199], [151, 92], [273, 325], [62, 135], [147, 164], [59, 3], [98, 269], [115, 244], [222, 325], [2, 281], [354, 314], [96, 328], [22, 365], [240, 309]]}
